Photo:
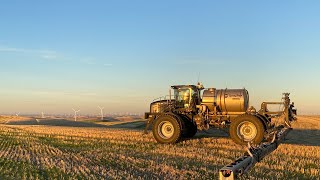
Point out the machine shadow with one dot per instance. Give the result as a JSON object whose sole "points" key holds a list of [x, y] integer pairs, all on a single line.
{"points": [[306, 137], [211, 133]]}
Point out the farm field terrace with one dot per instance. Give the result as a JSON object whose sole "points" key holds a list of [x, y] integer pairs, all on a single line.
{"points": [[64, 149]]}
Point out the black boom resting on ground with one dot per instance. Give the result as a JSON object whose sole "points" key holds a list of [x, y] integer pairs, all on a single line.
{"points": [[252, 156]]}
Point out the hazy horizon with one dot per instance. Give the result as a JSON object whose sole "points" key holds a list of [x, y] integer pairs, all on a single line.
{"points": [[123, 54]]}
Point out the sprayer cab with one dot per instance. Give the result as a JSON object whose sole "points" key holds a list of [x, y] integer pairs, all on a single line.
{"points": [[186, 96]]}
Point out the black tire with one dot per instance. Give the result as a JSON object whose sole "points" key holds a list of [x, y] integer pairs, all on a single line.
{"points": [[167, 129], [247, 128], [264, 120], [191, 128]]}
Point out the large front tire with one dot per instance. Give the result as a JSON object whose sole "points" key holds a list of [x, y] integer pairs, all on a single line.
{"points": [[247, 128], [167, 129]]}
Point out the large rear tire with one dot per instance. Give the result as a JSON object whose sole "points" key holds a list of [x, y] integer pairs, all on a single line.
{"points": [[247, 128], [191, 128], [167, 129]]}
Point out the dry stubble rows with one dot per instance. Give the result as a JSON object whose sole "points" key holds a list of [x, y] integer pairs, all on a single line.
{"points": [[42, 152]]}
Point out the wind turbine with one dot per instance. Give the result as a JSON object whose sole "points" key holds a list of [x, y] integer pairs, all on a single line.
{"points": [[18, 114], [101, 111], [75, 114]]}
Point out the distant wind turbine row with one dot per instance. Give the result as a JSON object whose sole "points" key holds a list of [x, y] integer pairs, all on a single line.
{"points": [[75, 113]]}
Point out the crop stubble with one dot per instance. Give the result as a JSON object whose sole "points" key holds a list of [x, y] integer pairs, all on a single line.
{"points": [[42, 152]]}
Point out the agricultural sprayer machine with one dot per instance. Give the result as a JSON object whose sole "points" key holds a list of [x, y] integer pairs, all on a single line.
{"points": [[191, 108]]}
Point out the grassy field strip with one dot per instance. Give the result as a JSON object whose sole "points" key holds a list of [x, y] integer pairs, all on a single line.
{"points": [[50, 152], [124, 156]]}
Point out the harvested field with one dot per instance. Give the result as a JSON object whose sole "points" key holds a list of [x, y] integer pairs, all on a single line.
{"points": [[63, 149]]}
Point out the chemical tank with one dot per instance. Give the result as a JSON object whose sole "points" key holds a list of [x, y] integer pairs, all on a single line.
{"points": [[226, 100]]}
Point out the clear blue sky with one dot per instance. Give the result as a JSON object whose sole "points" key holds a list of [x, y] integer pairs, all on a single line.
{"points": [[56, 55]]}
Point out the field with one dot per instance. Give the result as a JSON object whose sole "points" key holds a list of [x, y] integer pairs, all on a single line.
{"points": [[64, 149]]}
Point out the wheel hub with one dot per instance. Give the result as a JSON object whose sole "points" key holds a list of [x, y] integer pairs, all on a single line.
{"points": [[247, 130], [165, 129]]}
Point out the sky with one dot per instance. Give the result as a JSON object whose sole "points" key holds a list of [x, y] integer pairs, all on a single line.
{"points": [[122, 54]]}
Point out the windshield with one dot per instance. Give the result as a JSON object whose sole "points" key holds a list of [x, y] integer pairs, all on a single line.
{"points": [[183, 96]]}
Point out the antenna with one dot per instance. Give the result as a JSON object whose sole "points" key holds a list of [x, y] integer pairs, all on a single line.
{"points": [[18, 114], [101, 111], [75, 114], [199, 84], [198, 77]]}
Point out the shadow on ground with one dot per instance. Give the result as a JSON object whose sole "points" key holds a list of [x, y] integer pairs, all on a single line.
{"points": [[110, 119], [71, 123], [130, 125], [223, 133], [307, 137], [55, 122]]}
